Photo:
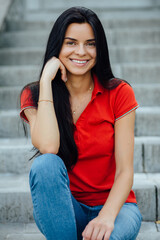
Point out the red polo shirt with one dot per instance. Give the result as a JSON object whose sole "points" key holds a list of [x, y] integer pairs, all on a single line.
{"points": [[93, 175]]}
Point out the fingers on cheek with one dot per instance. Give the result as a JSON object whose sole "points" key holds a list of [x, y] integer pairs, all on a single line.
{"points": [[64, 77]]}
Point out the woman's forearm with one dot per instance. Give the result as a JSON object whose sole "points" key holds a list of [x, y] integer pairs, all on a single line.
{"points": [[118, 194], [46, 131]]}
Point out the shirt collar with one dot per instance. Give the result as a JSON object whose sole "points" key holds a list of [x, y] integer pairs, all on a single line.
{"points": [[98, 88]]}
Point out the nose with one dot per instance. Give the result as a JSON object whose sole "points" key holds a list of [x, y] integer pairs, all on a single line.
{"points": [[80, 50]]}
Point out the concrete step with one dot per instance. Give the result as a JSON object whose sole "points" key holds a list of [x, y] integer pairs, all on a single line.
{"points": [[127, 54], [147, 123], [147, 119], [24, 39], [138, 72], [132, 72], [146, 187], [23, 231], [27, 236], [9, 97], [104, 4], [146, 95], [15, 154], [114, 37], [21, 56], [11, 125], [18, 75], [146, 155], [16, 204], [148, 231], [136, 36], [102, 12], [46, 22], [28, 231]]}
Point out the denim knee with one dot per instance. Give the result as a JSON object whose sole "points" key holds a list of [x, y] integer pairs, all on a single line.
{"points": [[47, 166]]}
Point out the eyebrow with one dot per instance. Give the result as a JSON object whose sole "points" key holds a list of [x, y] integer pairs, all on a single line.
{"points": [[89, 40]]}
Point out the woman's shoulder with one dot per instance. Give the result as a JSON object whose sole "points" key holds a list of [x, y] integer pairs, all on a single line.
{"points": [[27, 92], [117, 83], [27, 99], [120, 87], [123, 99], [29, 87]]}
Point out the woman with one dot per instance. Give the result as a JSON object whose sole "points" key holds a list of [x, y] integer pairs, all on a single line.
{"points": [[82, 123]]}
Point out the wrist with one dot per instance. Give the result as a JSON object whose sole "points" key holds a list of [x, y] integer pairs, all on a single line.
{"points": [[45, 79], [107, 214]]}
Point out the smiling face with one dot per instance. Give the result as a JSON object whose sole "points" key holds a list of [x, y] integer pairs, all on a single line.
{"points": [[78, 52]]}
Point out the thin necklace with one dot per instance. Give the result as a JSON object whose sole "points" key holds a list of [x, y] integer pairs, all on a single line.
{"points": [[89, 90]]}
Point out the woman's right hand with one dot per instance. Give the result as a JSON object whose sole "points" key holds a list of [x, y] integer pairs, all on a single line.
{"points": [[51, 68]]}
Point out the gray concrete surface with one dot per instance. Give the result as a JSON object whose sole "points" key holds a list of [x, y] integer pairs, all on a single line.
{"points": [[134, 73], [127, 54], [115, 36], [134, 44], [147, 95], [147, 122], [15, 153], [14, 231], [16, 203], [5, 4]]}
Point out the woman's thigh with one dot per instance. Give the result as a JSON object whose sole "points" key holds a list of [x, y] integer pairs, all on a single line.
{"points": [[127, 223]]}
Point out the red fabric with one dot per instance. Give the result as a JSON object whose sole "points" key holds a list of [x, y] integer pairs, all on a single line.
{"points": [[26, 102], [93, 175]]}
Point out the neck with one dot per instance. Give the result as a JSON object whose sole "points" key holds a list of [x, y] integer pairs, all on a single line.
{"points": [[78, 85]]}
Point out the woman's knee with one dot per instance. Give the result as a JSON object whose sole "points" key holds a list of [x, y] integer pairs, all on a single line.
{"points": [[47, 165], [127, 223]]}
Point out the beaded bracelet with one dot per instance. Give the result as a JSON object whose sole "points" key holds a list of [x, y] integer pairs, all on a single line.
{"points": [[45, 101]]}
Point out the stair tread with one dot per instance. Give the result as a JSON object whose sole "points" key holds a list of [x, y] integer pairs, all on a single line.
{"points": [[134, 85], [120, 14], [41, 49], [129, 64], [17, 142], [144, 109], [45, 32], [28, 231], [19, 182], [10, 182], [131, 56]]}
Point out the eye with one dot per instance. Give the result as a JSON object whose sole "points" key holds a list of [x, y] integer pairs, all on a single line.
{"points": [[91, 44], [70, 43]]}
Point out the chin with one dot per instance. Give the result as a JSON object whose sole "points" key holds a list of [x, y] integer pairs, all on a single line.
{"points": [[79, 73]]}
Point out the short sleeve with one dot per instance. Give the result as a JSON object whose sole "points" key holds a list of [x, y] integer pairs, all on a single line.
{"points": [[125, 101], [26, 102]]}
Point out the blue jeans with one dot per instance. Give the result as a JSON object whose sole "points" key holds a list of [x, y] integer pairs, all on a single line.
{"points": [[59, 216]]}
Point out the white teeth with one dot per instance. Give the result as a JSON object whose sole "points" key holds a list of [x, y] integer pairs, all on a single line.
{"points": [[78, 61]]}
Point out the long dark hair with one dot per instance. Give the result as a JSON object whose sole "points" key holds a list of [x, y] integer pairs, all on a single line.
{"points": [[68, 150]]}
